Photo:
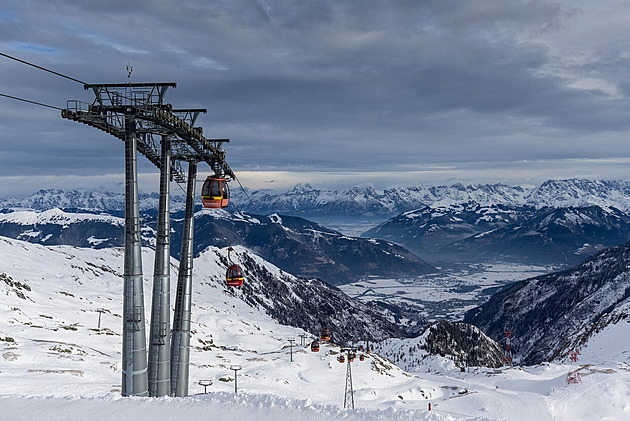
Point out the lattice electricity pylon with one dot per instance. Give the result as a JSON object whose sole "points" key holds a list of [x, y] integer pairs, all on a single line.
{"points": [[116, 103], [348, 398], [574, 376], [508, 348]]}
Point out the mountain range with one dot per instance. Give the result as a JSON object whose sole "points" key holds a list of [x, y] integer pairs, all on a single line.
{"points": [[560, 222], [473, 232], [296, 245], [305, 200], [548, 314]]}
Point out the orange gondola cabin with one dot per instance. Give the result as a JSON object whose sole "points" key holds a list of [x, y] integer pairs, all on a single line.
{"points": [[234, 276], [315, 346], [324, 335], [215, 193]]}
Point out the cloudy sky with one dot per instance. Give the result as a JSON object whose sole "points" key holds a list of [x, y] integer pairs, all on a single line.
{"points": [[331, 92]]}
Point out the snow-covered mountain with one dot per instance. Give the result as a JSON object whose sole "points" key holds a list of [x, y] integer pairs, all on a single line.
{"points": [[366, 201], [56, 227], [305, 200], [464, 344], [581, 193], [474, 233], [559, 236], [309, 201], [94, 200], [427, 230], [305, 248], [553, 313], [307, 304], [296, 245]]}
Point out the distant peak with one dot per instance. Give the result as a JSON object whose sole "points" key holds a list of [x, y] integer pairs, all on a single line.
{"points": [[303, 187]]}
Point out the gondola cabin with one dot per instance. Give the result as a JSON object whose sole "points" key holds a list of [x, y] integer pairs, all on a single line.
{"points": [[361, 357], [341, 359], [360, 348], [234, 276], [351, 356], [315, 346], [324, 335], [215, 193]]}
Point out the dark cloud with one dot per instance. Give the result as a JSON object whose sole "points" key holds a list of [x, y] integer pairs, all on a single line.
{"points": [[327, 85]]}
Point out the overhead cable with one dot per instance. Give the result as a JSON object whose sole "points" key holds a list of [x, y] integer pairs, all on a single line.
{"points": [[31, 102], [43, 68]]}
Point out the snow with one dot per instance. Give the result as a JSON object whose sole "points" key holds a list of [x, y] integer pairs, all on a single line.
{"points": [[55, 216], [57, 364]]}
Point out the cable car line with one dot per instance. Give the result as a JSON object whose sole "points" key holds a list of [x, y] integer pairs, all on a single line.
{"points": [[324, 335], [30, 102], [43, 68]]}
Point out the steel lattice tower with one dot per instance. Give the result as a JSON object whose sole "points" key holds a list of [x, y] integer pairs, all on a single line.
{"points": [[348, 398]]}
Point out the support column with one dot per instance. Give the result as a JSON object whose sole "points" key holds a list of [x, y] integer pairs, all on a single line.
{"points": [[134, 358], [180, 348], [159, 336]]}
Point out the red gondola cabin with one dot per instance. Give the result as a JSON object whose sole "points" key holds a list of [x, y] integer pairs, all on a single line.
{"points": [[215, 193], [341, 359], [361, 357], [324, 335], [234, 276], [315, 346]]}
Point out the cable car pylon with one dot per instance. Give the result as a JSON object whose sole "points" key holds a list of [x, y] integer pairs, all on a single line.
{"points": [[160, 330], [134, 356], [136, 114], [180, 348]]}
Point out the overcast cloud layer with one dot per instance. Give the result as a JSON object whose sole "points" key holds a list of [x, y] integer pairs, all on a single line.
{"points": [[338, 92]]}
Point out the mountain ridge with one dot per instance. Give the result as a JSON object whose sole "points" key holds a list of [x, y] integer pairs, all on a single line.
{"points": [[306, 200], [549, 313]]}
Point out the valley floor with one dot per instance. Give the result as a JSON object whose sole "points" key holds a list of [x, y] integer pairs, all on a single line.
{"points": [[446, 295]]}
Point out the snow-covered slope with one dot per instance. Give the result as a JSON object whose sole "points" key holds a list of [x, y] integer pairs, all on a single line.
{"points": [[550, 314], [463, 344], [57, 363], [51, 338]]}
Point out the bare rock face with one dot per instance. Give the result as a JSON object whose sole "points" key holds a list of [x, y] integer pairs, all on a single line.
{"points": [[464, 344]]}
